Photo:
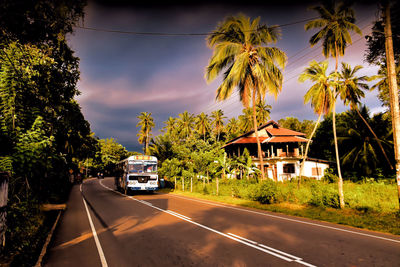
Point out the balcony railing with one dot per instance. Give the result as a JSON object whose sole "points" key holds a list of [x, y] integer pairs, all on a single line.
{"points": [[280, 155], [288, 154]]}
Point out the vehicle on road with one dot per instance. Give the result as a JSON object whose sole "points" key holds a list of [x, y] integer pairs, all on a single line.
{"points": [[137, 173]]}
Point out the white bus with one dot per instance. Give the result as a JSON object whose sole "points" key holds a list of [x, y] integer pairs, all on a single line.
{"points": [[137, 173]]}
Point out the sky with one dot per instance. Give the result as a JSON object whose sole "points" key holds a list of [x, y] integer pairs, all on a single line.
{"points": [[123, 74]]}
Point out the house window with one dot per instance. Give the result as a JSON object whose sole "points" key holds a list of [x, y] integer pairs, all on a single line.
{"points": [[288, 168], [316, 171]]}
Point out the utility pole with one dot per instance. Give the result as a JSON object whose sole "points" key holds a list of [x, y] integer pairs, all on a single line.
{"points": [[393, 92]]}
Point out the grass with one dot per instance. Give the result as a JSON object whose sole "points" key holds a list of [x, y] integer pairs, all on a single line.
{"points": [[372, 205]]}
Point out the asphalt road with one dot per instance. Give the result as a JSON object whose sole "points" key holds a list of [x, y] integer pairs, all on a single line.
{"points": [[102, 227]]}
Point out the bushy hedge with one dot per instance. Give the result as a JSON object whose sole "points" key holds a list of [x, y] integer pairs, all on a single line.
{"points": [[362, 196], [264, 192]]}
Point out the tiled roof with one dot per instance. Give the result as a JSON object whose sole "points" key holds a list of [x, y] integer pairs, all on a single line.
{"points": [[283, 131], [285, 139], [276, 135], [246, 140]]}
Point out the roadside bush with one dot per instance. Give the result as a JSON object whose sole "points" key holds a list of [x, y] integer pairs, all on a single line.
{"points": [[265, 192], [324, 196], [329, 176]]}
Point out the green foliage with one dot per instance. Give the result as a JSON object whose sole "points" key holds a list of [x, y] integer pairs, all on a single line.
{"points": [[264, 192], [324, 196], [6, 164], [375, 53], [162, 147], [24, 221], [305, 126], [329, 176], [34, 149], [170, 168], [110, 153], [42, 128]]}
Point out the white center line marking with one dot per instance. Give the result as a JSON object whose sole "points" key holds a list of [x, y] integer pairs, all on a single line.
{"points": [[96, 239], [267, 247], [173, 212]]}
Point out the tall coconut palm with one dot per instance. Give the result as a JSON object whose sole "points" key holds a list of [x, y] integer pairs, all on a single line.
{"points": [[218, 121], [142, 137], [146, 121], [351, 91], [336, 21], [252, 67], [202, 124], [263, 111], [320, 96], [185, 124]]}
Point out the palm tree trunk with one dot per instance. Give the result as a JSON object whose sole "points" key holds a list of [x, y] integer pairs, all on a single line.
{"points": [[340, 181], [393, 93], [147, 142], [307, 147], [376, 138], [260, 156]]}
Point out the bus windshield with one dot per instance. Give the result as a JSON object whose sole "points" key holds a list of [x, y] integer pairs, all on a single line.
{"points": [[150, 166], [143, 166]]}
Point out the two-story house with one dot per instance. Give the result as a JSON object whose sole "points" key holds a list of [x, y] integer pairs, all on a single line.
{"points": [[282, 152]]}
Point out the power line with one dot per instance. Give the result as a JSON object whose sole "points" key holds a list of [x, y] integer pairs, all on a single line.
{"points": [[174, 33]]}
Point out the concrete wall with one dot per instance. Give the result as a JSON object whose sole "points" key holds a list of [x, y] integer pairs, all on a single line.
{"points": [[309, 165]]}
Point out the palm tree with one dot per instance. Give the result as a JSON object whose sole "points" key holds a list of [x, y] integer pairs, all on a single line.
{"points": [[336, 21], [170, 125], [240, 48], [218, 121], [142, 138], [319, 95], [202, 124], [383, 84], [232, 128], [147, 123], [263, 111], [245, 120], [185, 124], [362, 145], [162, 147], [350, 91]]}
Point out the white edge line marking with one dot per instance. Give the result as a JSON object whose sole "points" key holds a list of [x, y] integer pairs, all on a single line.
{"points": [[222, 234], [293, 220], [96, 239]]}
